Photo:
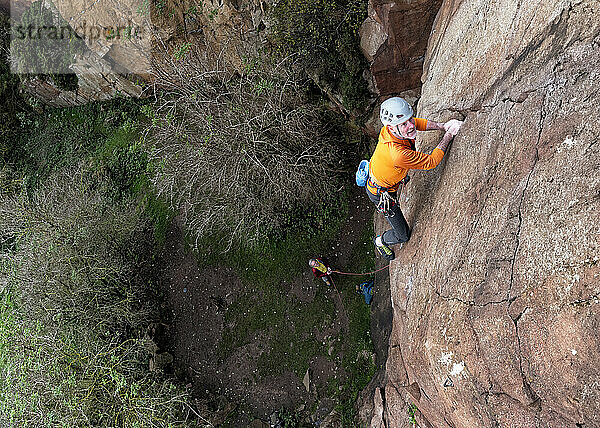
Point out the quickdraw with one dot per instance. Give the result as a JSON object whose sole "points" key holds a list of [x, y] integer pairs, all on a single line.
{"points": [[386, 200]]}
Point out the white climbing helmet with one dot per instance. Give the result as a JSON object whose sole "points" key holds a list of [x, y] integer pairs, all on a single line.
{"points": [[394, 111]]}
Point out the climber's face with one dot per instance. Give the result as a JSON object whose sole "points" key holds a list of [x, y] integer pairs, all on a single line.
{"points": [[407, 129]]}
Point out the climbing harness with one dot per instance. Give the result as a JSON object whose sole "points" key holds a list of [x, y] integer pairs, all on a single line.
{"points": [[386, 202], [386, 199]]}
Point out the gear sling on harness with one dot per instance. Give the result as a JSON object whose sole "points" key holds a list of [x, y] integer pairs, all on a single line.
{"points": [[387, 201]]}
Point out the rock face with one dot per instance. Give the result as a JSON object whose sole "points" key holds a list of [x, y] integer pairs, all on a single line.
{"points": [[496, 296], [114, 47], [126, 41], [119, 32], [394, 39], [96, 86]]}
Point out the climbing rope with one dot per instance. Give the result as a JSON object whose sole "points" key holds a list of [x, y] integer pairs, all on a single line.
{"points": [[360, 274]]}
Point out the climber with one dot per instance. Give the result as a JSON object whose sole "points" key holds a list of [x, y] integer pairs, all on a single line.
{"points": [[321, 269], [394, 155]]}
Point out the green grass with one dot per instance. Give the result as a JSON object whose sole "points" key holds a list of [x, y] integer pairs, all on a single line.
{"points": [[160, 214], [68, 380], [9, 327], [358, 345], [53, 139], [291, 326], [412, 409], [265, 306], [105, 137], [292, 339]]}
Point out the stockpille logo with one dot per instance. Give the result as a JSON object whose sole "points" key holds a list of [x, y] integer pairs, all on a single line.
{"points": [[83, 31]]}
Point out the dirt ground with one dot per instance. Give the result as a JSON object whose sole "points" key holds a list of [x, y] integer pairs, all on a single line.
{"points": [[197, 301]]}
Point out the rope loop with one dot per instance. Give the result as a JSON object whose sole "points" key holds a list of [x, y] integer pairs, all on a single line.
{"points": [[360, 274]]}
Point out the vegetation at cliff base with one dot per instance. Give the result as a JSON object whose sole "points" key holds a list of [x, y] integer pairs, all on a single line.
{"points": [[77, 292], [237, 153], [250, 162], [324, 35]]}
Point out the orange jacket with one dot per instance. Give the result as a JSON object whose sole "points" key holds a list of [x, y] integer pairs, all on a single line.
{"points": [[393, 157]]}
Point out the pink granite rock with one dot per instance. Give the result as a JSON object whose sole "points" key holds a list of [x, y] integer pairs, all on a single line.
{"points": [[496, 296]]}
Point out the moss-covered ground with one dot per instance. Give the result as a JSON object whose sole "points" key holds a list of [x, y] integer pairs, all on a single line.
{"points": [[320, 329]]}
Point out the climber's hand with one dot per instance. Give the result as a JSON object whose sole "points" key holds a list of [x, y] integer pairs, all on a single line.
{"points": [[328, 271], [453, 126]]}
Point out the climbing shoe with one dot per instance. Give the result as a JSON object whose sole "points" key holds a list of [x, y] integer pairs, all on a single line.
{"points": [[385, 251]]}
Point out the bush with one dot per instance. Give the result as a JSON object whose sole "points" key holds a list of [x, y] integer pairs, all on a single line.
{"points": [[75, 310], [105, 133], [234, 151], [10, 101], [324, 35], [84, 247]]}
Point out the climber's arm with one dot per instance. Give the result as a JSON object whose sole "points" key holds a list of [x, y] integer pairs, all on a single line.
{"points": [[452, 125], [434, 126], [445, 141]]}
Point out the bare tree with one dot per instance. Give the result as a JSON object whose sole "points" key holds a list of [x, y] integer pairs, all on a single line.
{"points": [[76, 248], [72, 260], [236, 149]]}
